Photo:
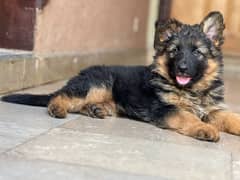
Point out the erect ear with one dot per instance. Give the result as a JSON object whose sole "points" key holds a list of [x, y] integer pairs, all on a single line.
{"points": [[163, 32], [213, 26]]}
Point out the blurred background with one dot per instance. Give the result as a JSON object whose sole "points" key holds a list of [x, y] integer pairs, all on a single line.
{"points": [[43, 41], [47, 26], [52, 26], [49, 41]]}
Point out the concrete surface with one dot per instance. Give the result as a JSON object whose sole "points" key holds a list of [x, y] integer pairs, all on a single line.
{"points": [[17, 126], [22, 169], [36, 146]]}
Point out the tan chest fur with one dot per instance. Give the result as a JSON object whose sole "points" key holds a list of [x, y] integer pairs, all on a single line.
{"points": [[199, 105]]}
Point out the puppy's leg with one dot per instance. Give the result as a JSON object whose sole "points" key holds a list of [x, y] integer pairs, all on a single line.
{"points": [[98, 97], [225, 121], [190, 125], [61, 104]]}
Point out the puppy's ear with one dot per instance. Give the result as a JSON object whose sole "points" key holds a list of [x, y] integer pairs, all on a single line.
{"points": [[163, 32], [213, 26]]}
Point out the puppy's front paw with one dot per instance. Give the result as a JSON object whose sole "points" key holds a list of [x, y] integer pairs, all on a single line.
{"points": [[96, 110], [206, 133]]}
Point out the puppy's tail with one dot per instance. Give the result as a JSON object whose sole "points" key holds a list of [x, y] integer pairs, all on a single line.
{"points": [[28, 99]]}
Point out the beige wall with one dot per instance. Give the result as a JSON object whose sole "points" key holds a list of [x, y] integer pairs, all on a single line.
{"points": [[91, 25]]}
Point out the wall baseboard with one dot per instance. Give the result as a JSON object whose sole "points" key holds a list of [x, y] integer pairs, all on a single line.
{"points": [[24, 71]]}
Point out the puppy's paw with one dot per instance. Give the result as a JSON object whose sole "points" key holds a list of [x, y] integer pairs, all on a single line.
{"points": [[96, 110], [206, 133], [55, 110]]}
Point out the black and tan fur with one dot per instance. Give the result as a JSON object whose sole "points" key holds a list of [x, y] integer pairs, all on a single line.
{"points": [[193, 106]]}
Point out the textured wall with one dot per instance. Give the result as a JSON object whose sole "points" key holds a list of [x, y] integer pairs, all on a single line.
{"points": [[91, 25]]}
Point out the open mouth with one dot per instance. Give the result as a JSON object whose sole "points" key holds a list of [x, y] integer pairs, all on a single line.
{"points": [[183, 80]]}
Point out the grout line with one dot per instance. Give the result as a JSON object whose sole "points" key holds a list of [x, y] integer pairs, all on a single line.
{"points": [[33, 138], [231, 166]]}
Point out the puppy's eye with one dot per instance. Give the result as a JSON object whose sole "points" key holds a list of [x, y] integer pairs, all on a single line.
{"points": [[198, 53], [175, 49]]}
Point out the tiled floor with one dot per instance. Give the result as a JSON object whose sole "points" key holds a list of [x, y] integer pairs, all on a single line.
{"points": [[36, 146]]}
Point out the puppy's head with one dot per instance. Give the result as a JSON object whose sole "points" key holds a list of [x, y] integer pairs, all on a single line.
{"points": [[188, 49]]}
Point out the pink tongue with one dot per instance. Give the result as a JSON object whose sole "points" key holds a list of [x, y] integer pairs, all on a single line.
{"points": [[183, 80]]}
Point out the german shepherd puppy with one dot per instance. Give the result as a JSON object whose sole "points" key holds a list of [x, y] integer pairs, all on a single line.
{"points": [[181, 90]]}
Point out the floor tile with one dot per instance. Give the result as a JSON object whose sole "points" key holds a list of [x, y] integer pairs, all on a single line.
{"points": [[128, 155], [19, 123], [15, 168]]}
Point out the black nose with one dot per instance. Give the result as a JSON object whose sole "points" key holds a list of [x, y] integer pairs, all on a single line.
{"points": [[182, 67]]}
